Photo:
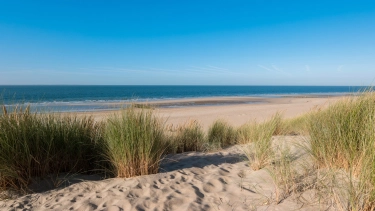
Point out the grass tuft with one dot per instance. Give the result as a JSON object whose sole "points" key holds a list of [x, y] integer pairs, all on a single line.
{"points": [[343, 137], [294, 126], [134, 143], [35, 145], [188, 137], [221, 134], [260, 151]]}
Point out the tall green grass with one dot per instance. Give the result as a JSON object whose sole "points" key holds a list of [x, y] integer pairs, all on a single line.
{"points": [[135, 143], [294, 126], [343, 134], [343, 137], [188, 137], [221, 134], [35, 145]]}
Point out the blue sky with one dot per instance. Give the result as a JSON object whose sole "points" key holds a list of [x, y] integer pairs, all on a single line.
{"points": [[187, 42]]}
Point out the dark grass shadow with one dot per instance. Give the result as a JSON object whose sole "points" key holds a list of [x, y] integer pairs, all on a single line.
{"points": [[61, 181], [198, 159]]}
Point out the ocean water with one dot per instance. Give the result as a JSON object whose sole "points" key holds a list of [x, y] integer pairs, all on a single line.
{"points": [[91, 98]]}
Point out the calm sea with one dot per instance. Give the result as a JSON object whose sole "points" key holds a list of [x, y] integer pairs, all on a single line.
{"points": [[89, 98]]}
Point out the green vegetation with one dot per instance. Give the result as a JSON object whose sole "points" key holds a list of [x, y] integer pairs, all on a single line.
{"points": [[134, 143], [189, 137], [343, 134], [284, 175], [343, 137], [36, 145], [293, 126], [259, 152], [221, 134], [258, 132]]}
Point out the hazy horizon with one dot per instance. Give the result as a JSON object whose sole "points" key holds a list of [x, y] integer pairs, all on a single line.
{"points": [[244, 43]]}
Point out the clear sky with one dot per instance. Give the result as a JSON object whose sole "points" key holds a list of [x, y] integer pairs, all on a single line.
{"points": [[254, 42]]}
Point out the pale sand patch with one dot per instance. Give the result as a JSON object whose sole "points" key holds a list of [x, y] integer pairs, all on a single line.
{"points": [[219, 180], [234, 110], [239, 114]]}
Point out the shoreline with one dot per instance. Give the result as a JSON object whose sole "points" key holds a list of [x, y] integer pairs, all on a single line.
{"points": [[202, 101], [113, 105]]}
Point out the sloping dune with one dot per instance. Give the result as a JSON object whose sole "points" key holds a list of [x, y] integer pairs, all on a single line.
{"points": [[219, 180]]}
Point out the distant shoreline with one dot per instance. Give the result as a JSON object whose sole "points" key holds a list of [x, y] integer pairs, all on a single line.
{"points": [[81, 98], [103, 106]]}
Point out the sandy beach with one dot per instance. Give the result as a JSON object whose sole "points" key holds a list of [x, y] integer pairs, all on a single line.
{"points": [[219, 180], [187, 105], [234, 110]]}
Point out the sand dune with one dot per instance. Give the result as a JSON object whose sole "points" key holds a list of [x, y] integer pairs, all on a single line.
{"points": [[219, 180]]}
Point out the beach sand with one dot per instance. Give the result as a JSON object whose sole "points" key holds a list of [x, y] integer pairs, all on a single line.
{"points": [[221, 180], [234, 110]]}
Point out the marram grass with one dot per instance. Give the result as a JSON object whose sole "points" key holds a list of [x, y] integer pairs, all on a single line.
{"points": [[221, 134], [134, 143], [343, 137], [341, 134], [259, 135], [188, 137], [35, 145], [294, 126]]}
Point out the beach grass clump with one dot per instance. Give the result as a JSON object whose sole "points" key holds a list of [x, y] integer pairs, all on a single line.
{"points": [[294, 126], [344, 132], [343, 137], [260, 135], [257, 132], [221, 134], [188, 137], [35, 145], [292, 174], [244, 133], [283, 175], [134, 143]]}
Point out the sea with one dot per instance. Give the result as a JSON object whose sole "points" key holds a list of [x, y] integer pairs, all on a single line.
{"points": [[80, 98]]}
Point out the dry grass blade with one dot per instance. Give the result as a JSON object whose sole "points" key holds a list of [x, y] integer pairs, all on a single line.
{"points": [[260, 151]]}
